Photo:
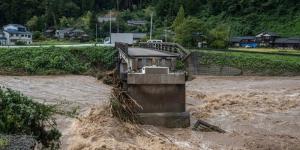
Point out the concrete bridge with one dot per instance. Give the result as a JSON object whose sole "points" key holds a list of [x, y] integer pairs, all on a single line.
{"points": [[149, 75]]}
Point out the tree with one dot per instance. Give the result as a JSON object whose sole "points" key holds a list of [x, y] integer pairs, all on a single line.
{"points": [[66, 22], [32, 24], [185, 31], [219, 37], [179, 18]]}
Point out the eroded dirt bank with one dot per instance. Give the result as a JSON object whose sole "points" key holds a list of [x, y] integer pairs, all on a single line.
{"points": [[256, 112]]}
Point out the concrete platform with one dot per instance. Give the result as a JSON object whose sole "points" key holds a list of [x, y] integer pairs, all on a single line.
{"points": [[169, 120]]}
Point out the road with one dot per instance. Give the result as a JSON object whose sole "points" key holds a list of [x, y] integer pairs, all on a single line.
{"points": [[66, 45], [142, 52]]}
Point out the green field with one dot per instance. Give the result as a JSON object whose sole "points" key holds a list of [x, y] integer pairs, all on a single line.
{"points": [[253, 63]]}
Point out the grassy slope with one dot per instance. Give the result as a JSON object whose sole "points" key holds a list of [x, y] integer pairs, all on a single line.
{"points": [[264, 64], [267, 50]]}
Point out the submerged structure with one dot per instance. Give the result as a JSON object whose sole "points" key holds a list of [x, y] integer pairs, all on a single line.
{"points": [[151, 77]]}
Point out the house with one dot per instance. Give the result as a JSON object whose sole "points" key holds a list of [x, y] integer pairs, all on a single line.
{"points": [[136, 22], [243, 41], [289, 43], [17, 33], [78, 34], [50, 32], [63, 33], [72, 33], [106, 19], [2, 38], [266, 39]]}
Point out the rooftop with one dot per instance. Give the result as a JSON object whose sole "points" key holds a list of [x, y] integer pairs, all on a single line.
{"points": [[16, 25], [136, 22], [267, 34], [17, 32], [293, 40]]}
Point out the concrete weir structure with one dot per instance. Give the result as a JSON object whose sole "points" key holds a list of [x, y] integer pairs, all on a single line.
{"points": [[149, 77]]}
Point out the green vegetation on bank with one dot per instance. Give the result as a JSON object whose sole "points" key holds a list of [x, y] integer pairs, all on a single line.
{"points": [[19, 115], [54, 60], [268, 50], [250, 63]]}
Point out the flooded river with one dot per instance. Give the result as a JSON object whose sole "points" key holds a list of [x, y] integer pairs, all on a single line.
{"points": [[257, 113]]}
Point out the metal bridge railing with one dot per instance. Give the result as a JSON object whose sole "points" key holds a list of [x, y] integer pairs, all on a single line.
{"points": [[167, 47], [122, 46]]}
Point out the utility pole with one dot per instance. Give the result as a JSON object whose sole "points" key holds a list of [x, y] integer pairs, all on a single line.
{"points": [[96, 33], [118, 25], [110, 26], [151, 26]]}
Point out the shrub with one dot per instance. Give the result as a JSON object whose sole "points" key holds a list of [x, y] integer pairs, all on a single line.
{"points": [[20, 43], [21, 115]]}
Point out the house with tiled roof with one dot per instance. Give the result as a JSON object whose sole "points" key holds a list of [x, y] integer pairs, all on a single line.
{"points": [[288, 43], [266, 39]]}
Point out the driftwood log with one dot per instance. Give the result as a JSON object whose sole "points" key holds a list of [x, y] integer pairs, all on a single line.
{"points": [[202, 125]]}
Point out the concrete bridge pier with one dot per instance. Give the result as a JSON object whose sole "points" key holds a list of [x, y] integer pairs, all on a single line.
{"points": [[162, 96]]}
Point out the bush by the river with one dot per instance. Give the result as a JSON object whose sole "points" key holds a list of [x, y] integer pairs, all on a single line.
{"points": [[20, 115]]}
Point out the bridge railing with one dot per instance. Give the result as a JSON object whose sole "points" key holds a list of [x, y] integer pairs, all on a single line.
{"points": [[167, 47], [122, 46]]}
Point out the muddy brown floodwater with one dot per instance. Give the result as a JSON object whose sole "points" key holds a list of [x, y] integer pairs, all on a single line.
{"points": [[257, 113]]}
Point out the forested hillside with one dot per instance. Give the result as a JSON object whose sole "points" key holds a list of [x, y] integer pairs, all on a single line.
{"points": [[244, 17]]}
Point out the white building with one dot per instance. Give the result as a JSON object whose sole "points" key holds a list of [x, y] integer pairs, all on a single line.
{"points": [[17, 33], [2, 39], [129, 38]]}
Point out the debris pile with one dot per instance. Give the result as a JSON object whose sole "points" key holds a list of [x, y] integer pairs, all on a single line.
{"points": [[122, 105]]}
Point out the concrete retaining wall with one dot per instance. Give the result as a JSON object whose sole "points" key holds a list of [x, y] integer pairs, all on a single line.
{"points": [[195, 68]]}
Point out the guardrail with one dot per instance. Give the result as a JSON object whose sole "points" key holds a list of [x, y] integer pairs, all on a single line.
{"points": [[167, 47]]}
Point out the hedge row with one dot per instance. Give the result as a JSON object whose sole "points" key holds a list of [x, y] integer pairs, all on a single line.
{"points": [[253, 63], [54, 60]]}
